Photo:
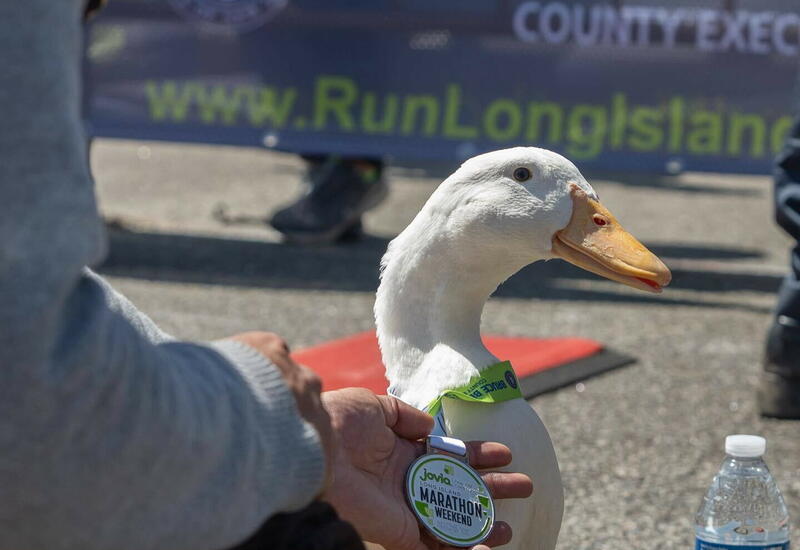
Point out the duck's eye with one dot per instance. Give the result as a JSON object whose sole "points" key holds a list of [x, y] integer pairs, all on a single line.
{"points": [[522, 174]]}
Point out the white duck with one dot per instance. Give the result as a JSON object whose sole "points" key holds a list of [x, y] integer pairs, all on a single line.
{"points": [[496, 214]]}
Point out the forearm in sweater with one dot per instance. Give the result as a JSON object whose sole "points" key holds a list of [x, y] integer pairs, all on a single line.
{"points": [[111, 434]]}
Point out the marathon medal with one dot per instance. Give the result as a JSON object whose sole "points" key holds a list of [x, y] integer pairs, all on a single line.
{"points": [[449, 498]]}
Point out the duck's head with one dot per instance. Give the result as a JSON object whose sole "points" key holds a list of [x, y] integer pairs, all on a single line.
{"points": [[526, 204]]}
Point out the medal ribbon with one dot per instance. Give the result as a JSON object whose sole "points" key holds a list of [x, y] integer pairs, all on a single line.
{"points": [[494, 384]]}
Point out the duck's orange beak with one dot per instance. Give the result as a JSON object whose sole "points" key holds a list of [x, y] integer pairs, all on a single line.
{"points": [[595, 241]]}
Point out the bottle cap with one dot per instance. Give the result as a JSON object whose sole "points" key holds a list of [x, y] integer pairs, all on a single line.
{"points": [[745, 446]]}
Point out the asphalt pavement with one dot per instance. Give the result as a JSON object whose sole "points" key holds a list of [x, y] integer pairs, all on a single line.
{"points": [[637, 446]]}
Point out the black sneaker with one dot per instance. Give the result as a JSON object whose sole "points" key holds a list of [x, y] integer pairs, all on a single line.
{"points": [[340, 191], [779, 391]]}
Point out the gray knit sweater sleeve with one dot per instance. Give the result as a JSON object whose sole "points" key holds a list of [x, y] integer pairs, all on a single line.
{"points": [[113, 435]]}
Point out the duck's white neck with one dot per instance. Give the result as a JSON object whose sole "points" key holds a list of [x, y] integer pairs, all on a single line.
{"points": [[428, 313]]}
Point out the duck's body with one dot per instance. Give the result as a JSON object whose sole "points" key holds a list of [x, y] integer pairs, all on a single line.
{"points": [[536, 522], [482, 225]]}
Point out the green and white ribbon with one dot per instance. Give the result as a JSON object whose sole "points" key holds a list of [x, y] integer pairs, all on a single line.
{"points": [[494, 384]]}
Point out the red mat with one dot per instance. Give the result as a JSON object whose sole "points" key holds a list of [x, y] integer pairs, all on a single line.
{"points": [[540, 364]]}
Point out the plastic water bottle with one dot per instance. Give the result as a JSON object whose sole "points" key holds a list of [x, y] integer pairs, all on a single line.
{"points": [[743, 508]]}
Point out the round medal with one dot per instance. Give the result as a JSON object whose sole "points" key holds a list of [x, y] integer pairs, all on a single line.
{"points": [[449, 498]]}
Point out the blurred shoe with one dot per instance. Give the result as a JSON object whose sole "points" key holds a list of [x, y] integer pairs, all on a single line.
{"points": [[352, 234], [340, 191], [779, 391]]}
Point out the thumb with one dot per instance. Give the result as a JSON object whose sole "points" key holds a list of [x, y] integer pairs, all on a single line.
{"points": [[404, 420]]}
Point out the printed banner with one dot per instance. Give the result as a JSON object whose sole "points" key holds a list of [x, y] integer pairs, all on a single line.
{"points": [[645, 85]]}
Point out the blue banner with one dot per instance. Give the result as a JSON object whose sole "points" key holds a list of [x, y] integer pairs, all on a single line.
{"points": [[645, 85]]}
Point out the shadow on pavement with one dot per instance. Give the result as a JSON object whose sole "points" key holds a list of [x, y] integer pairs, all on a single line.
{"points": [[684, 184], [710, 252], [354, 267]]}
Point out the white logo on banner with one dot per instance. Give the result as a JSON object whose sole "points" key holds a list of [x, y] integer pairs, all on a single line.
{"points": [[738, 31], [240, 15]]}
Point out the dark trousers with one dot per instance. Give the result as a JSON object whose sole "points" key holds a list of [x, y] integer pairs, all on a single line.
{"points": [[316, 527], [787, 214]]}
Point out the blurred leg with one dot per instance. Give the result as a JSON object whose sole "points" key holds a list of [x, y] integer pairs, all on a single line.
{"points": [[787, 214], [779, 394], [340, 191]]}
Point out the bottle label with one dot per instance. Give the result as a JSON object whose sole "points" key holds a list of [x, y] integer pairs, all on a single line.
{"points": [[703, 545]]}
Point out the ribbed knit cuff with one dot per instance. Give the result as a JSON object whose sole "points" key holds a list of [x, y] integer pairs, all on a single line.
{"points": [[298, 459]]}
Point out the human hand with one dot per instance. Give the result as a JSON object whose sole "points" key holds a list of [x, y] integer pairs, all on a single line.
{"points": [[376, 439], [304, 384]]}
